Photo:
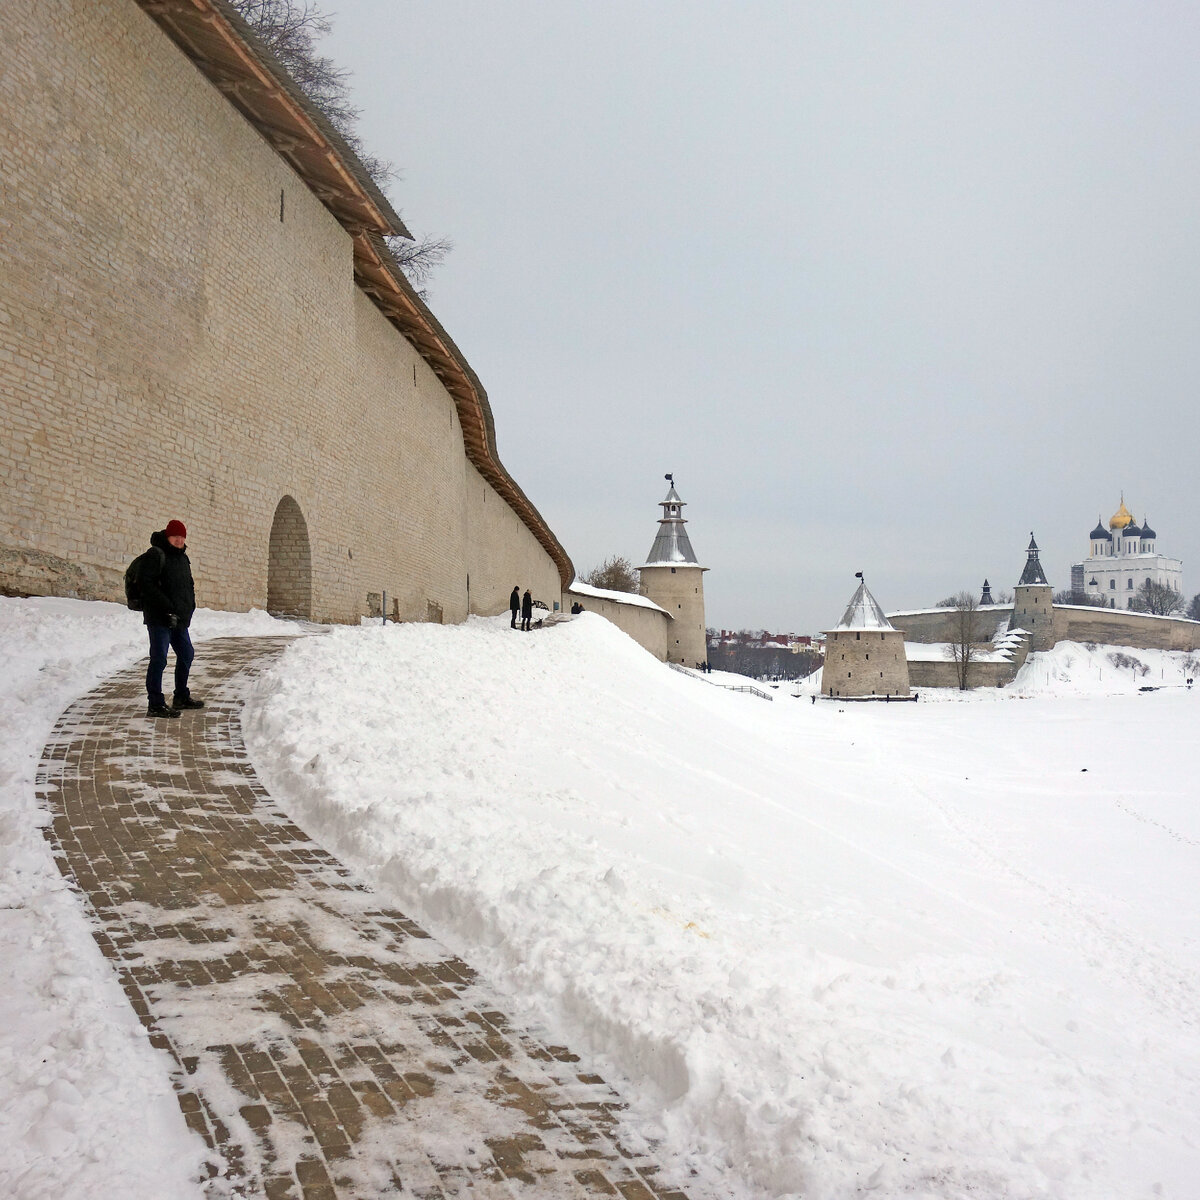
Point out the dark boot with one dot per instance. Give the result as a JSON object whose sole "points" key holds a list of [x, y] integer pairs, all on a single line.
{"points": [[178, 702], [160, 710]]}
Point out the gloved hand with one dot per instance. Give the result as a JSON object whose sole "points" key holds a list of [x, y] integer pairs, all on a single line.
{"points": [[172, 621]]}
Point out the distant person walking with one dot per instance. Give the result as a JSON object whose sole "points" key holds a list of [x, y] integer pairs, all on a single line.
{"points": [[514, 604], [168, 602], [526, 610]]}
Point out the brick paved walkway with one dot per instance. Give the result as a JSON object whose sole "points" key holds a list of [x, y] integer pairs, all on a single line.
{"points": [[324, 1045]]}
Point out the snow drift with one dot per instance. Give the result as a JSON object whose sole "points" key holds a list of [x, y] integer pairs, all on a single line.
{"points": [[928, 950]]}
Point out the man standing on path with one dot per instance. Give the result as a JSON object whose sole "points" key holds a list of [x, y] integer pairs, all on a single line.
{"points": [[514, 603], [168, 602], [526, 610]]}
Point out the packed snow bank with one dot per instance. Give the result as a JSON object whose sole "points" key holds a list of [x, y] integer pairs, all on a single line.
{"points": [[86, 1107], [916, 950], [1088, 669]]}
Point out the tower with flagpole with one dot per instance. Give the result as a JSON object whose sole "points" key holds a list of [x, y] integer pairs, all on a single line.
{"points": [[1033, 602], [673, 578], [864, 653]]}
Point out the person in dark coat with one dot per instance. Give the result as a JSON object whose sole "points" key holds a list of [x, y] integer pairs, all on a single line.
{"points": [[168, 602], [514, 604], [526, 609]]}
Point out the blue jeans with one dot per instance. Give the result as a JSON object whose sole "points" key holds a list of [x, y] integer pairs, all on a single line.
{"points": [[160, 638]]}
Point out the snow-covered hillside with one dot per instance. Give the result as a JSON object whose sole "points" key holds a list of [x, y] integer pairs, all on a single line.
{"points": [[939, 949], [922, 949]]}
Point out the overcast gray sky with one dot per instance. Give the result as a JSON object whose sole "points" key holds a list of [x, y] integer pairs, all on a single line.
{"points": [[885, 285]]}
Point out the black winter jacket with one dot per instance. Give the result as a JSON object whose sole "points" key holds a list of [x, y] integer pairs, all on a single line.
{"points": [[170, 590]]}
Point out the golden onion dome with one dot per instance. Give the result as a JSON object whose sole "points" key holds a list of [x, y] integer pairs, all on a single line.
{"points": [[1121, 517]]}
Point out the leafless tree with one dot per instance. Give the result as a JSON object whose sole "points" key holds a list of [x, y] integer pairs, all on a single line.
{"points": [[1157, 598], [614, 574], [291, 30], [1066, 596], [968, 628], [1193, 611]]}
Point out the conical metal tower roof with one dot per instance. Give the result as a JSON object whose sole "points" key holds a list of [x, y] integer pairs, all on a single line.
{"points": [[863, 611], [1033, 572], [672, 546]]}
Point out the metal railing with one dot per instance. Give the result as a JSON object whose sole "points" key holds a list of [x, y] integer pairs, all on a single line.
{"points": [[725, 687]]}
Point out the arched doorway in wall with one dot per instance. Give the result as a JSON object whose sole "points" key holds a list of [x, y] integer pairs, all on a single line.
{"points": [[289, 563]]}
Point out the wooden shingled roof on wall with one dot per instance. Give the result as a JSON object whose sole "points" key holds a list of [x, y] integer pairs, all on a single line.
{"points": [[231, 57]]}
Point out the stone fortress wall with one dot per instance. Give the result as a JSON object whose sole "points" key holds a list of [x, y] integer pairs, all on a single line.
{"points": [[182, 334], [1072, 623], [1067, 623], [642, 620]]}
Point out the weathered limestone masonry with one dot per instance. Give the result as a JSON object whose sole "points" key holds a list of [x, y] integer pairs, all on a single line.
{"points": [[865, 662], [864, 654], [1115, 628], [1033, 609], [680, 591], [637, 616], [191, 326], [929, 625]]}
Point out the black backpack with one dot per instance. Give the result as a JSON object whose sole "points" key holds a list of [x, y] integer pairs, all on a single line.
{"points": [[133, 588]]}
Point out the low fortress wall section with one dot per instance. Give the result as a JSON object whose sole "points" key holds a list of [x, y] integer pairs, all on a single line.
{"points": [[649, 627], [181, 336], [1112, 627], [945, 674], [1071, 623], [935, 624]]}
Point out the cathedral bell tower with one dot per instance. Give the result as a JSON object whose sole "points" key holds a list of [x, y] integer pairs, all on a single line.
{"points": [[674, 580]]}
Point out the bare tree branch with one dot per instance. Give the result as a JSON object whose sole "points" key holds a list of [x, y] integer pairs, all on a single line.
{"points": [[615, 574], [291, 29], [1157, 598], [968, 628]]}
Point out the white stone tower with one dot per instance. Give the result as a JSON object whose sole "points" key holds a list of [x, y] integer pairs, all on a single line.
{"points": [[864, 653], [1033, 607], [674, 580]]}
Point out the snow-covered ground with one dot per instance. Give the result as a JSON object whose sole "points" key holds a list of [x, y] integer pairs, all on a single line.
{"points": [[86, 1108], [942, 949]]}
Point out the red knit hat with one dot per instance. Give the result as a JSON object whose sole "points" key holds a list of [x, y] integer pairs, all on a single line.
{"points": [[176, 529]]}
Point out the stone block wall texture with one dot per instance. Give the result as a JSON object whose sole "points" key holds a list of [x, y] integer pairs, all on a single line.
{"points": [[648, 627], [1066, 623], [171, 347], [1033, 609], [864, 662], [680, 591], [935, 624], [1115, 628], [945, 674]]}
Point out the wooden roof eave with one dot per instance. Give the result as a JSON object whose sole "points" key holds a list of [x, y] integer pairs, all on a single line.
{"points": [[226, 51], [383, 281]]}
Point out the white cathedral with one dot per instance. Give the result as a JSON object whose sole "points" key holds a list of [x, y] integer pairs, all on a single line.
{"points": [[1122, 557]]}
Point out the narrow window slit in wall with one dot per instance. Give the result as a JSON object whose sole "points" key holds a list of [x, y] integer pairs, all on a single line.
{"points": [[281, 206]]}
